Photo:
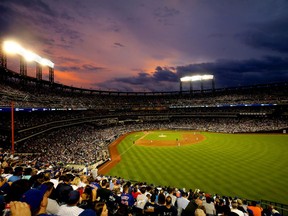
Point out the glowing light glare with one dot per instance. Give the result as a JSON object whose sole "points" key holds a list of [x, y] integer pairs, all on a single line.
{"points": [[46, 62], [185, 79], [30, 56], [207, 77], [14, 48], [196, 78]]}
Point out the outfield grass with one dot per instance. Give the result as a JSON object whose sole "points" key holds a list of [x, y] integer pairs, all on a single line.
{"points": [[252, 166]]}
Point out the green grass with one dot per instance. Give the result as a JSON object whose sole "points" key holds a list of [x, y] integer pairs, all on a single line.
{"points": [[252, 166]]}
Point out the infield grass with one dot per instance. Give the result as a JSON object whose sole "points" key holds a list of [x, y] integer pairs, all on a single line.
{"points": [[251, 166]]}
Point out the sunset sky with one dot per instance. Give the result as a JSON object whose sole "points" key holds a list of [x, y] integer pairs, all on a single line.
{"points": [[147, 45]]}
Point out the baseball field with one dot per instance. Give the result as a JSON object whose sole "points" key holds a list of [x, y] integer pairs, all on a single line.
{"points": [[251, 166]]}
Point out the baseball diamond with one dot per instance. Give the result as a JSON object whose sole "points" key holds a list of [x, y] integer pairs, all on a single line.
{"points": [[228, 164]]}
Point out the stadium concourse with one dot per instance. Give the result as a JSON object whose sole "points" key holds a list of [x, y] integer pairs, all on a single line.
{"points": [[57, 125]]}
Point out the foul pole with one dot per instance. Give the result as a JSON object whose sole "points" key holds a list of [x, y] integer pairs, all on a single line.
{"points": [[12, 128]]}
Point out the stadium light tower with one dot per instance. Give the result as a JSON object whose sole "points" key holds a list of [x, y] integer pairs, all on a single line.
{"points": [[3, 58], [195, 78], [11, 47]]}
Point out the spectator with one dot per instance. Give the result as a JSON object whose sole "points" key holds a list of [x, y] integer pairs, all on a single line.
{"points": [[171, 192], [75, 183], [52, 205], [17, 174], [209, 206], [151, 205], [199, 212], [219, 206], [127, 198], [255, 208], [167, 209], [71, 207], [27, 173], [104, 193], [182, 202], [234, 208], [101, 209], [141, 201], [37, 199], [63, 189], [192, 206], [241, 207], [87, 198], [17, 189]]}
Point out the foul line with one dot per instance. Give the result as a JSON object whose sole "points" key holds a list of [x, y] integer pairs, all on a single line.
{"points": [[102, 167], [127, 149]]}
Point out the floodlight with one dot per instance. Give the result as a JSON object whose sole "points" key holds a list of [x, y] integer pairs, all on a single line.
{"points": [[185, 79], [196, 78], [30, 56], [12, 47], [46, 62], [207, 77]]}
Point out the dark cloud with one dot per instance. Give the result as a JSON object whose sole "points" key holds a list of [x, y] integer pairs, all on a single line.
{"points": [[32, 5], [227, 73], [118, 45], [68, 60], [164, 74], [161, 80], [36, 6], [92, 68], [136, 80], [86, 68], [230, 73], [271, 36]]}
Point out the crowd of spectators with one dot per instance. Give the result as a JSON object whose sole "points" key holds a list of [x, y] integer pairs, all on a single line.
{"points": [[88, 143], [29, 188], [53, 140], [33, 95]]}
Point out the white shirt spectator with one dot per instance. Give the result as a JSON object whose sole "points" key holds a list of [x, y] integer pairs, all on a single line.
{"points": [[52, 207], [182, 203], [66, 210]]}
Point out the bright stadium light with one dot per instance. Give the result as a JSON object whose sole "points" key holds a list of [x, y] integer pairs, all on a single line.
{"points": [[14, 48], [30, 56], [207, 77], [185, 79], [46, 62], [196, 78]]}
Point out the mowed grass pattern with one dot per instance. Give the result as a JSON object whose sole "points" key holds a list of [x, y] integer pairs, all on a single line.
{"points": [[252, 166]]}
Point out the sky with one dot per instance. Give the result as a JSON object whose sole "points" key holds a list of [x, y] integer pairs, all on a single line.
{"points": [[148, 45]]}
